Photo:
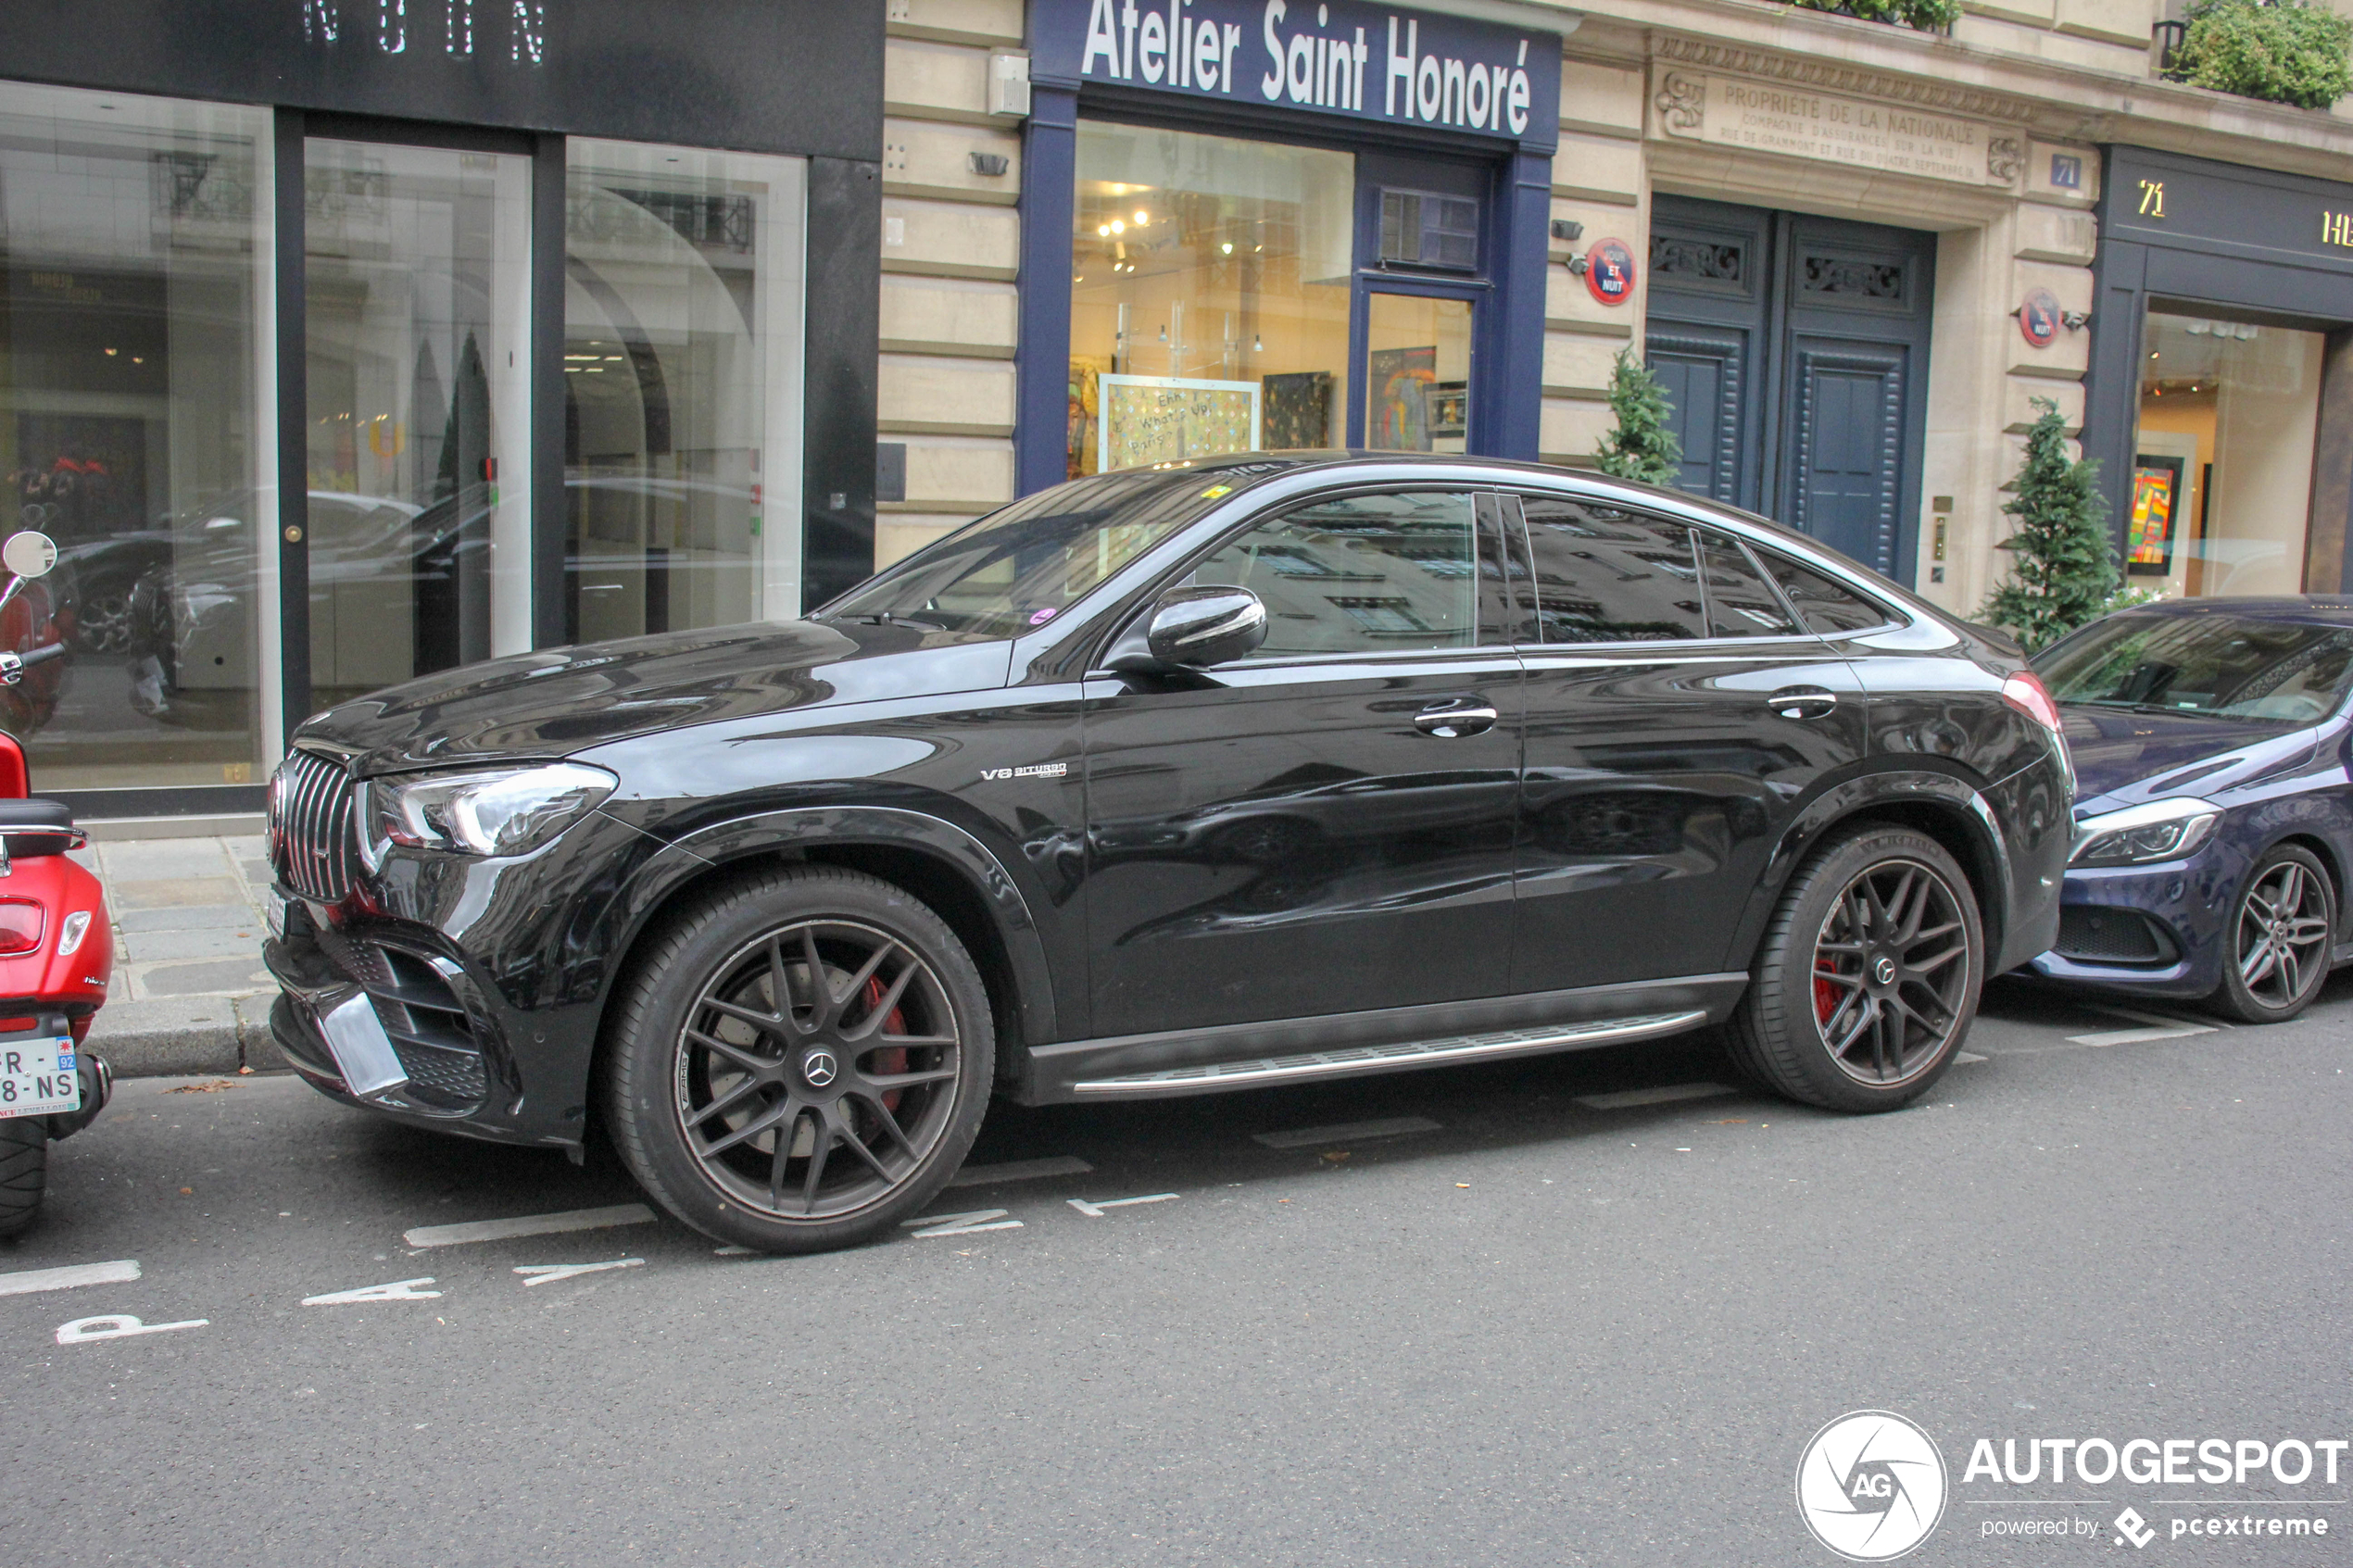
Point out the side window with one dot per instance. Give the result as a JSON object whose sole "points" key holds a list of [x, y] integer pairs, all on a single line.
{"points": [[1607, 575], [1360, 574], [1740, 602], [1830, 609]]}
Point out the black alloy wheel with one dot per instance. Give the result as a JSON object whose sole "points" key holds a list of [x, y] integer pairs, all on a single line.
{"points": [[2282, 937], [803, 1060], [1868, 978]]}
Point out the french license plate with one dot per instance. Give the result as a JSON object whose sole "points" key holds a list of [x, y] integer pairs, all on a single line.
{"points": [[37, 1076], [273, 910]]}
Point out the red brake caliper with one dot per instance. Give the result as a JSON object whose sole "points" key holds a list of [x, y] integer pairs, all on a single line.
{"points": [[894, 1060], [1825, 999]]}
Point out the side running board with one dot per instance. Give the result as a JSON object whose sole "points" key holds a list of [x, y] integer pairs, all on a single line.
{"points": [[1386, 1058]]}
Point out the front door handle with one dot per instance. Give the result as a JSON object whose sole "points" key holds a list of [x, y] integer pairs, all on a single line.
{"points": [[1456, 717], [1803, 702]]}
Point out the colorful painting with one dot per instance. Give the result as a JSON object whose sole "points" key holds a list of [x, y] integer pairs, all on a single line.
{"points": [[1397, 404], [1298, 410], [1148, 420], [1083, 416], [2157, 492]]}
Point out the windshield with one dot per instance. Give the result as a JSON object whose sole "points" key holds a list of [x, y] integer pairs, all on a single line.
{"points": [[1020, 567], [2215, 663]]}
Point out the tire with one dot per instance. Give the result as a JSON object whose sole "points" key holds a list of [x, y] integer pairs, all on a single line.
{"points": [[1813, 983], [24, 1172], [719, 1100], [2281, 934]]}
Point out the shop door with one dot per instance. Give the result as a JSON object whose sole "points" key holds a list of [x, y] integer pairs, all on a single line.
{"points": [[1796, 351], [417, 373], [1421, 266]]}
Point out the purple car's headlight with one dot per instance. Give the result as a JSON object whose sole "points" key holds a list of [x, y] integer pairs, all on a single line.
{"points": [[2158, 829]]}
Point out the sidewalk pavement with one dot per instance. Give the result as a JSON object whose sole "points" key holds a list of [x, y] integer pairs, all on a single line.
{"points": [[190, 994]]}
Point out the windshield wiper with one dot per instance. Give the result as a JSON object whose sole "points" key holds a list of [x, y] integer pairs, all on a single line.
{"points": [[887, 617]]}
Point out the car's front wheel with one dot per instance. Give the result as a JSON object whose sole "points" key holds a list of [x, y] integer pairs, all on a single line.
{"points": [[2282, 935], [802, 1061], [1868, 978]]}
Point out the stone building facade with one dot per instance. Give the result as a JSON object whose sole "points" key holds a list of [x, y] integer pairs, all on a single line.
{"points": [[1859, 255]]}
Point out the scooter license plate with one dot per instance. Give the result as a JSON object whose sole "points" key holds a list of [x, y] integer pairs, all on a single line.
{"points": [[273, 911], [38, 1076]]}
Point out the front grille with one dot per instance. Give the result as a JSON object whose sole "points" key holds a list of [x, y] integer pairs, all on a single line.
{"points": [[313, 845], [2103, 935]]}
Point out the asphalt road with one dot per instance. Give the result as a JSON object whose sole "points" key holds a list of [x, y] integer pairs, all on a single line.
{"points": [[1532, 1325]]}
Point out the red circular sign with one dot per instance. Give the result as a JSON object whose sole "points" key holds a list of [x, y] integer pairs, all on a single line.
{"points": [[2038, 317], [1609, 271]]}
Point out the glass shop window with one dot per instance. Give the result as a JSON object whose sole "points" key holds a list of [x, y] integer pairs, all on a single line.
{"points": [[2223, 468], [1209, 296], [682, 298], [134, 244]]}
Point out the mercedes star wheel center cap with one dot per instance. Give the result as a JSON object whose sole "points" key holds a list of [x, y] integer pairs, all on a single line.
{"points": [[819, 1068], [1883, 969]]}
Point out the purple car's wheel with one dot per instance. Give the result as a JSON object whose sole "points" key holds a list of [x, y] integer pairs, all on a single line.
{"points": [[2282, 935]]}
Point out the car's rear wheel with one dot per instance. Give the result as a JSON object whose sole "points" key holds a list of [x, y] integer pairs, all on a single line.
{"points": [[2282, 935], [802, 1061], [1868, 978]]}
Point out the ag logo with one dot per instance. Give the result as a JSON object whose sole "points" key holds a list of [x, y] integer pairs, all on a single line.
{"points": [[1870, 1486]]}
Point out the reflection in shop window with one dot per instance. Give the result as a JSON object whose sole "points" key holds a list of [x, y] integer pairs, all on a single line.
{"points": [[2223, 468], [1209, 296], [133, 245], [682, 388]]}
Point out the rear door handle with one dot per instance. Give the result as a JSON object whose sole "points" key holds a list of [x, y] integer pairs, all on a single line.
{"points": [[1803, 702], [1456, 717]]}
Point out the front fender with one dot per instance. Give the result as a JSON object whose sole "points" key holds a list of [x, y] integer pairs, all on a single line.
{"points": [[801, 828]]}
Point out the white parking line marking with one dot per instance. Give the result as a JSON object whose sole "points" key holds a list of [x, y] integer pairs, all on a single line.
{"points": [[731, 1252], [963, 1224], [540, 1273], [398, 1290], [529, 1224], [1346, 1132], [1019, 1171], [2140, 1036], [1963, 1058], [117, 1325], [121, 1272], [1626, 1100], [2157, 1019], [1096, 1209]]}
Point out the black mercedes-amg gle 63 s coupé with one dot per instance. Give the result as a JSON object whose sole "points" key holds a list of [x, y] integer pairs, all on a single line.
{"points": [[1247, 771]]}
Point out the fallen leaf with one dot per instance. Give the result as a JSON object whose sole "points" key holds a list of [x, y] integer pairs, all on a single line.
{"points": [[1729, 1121], [1462, 1183], [1337, 1155], [214, 1088], [187, 1192]]}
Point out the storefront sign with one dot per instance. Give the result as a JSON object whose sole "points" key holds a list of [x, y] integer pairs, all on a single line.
{"points": [[2253, 214], [2039, 318], [1345, 58], [1772, 117], [1609, 271]]}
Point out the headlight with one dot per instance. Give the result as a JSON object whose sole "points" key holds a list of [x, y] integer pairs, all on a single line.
{"points": [[2161, 830], [488, 812]]}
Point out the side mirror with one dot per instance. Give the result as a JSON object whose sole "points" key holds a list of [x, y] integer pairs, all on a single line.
{"points": [[1193, 629], [29, 553]]}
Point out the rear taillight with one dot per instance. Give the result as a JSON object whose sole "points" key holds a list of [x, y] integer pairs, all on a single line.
{"points": [[2025, 692], [21, 922]]}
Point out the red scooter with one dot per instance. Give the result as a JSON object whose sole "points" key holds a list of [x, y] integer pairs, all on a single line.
{"points": [[57, 950]]}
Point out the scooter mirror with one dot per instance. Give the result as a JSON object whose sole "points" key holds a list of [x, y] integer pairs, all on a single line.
{"points": [[29, 553]]}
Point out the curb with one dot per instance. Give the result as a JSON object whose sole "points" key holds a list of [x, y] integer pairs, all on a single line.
{"points": [[174, 1036]]}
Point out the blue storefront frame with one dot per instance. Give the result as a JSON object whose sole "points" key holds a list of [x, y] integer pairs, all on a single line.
{"points": [[1513, 167]]}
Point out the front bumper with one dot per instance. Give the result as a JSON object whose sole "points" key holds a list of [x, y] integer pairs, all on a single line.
{"points": [[2159, 930], [476, 985]]}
